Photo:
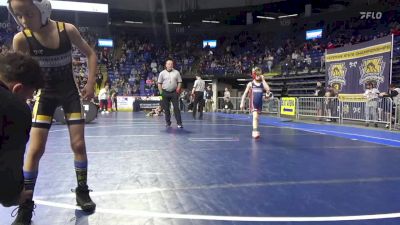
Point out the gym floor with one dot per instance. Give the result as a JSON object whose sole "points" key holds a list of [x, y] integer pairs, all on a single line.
{"points": [[212, 172]]}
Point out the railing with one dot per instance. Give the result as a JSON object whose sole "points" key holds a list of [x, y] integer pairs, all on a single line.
{"points": [[374, 111], [318, 108], [231, 105], [271, 106]]}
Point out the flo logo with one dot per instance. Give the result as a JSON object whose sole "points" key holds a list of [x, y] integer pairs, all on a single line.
{"points": [[371, 15], [337, 75], [371, 70]]}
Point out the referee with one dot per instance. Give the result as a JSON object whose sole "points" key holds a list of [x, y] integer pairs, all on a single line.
{"points": [[169, 85], [198, 93]]}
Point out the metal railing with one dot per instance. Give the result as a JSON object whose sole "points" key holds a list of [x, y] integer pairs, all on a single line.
{"points": [[231, 105], [271, 106], [376, 111], [369, 111], [319, 108]]}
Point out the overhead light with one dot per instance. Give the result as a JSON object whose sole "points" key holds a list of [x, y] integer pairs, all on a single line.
{"points": [[241, 79], [242, 84], [292, 15], [210, 21], [175, 23], [266, 17], [133, 22]]}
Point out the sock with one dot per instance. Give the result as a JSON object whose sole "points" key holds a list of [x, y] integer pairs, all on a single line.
{"points": [[81, 173], [30, 179]]}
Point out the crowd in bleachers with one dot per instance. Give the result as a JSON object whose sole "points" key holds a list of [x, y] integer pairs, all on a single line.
{"points": [[133, 66], [243, 51], [6, 36], [136, 70]]}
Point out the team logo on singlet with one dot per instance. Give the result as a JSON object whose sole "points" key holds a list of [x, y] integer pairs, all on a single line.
{"points": [[60, 60], [38, 52], [371, 70]]}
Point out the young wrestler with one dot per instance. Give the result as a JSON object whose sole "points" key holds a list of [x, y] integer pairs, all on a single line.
{"points": [[50, 42], [255, 89]]}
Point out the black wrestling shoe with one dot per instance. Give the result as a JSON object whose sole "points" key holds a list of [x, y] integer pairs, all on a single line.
{"points": [[83, 199], [24, 213]]}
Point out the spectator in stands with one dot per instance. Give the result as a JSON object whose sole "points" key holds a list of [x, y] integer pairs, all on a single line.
{"points": [[308, 63], [4, 50], [270, 61], [287, 66], [153, 66], [99, 79], [299, 63], [295, 56], [371, 94], [396, 30], [331, 45], [322, 67]]}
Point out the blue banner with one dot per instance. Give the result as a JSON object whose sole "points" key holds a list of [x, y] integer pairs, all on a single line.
{"points": [[350, 68]]}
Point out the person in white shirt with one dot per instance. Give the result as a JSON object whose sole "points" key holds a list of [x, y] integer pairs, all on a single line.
{"points": [[371, 106], [270, 61], [153, 64], [198, 93], [103, 98]]}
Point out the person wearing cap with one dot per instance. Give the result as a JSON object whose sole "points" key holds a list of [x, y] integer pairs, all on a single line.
{"points": [[50, 43], [255, 89]]}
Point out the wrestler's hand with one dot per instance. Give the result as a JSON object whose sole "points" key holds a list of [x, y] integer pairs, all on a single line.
{"points": [[88, 92]]}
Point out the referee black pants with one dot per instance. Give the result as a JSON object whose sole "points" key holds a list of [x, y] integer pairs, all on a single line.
{"points": [[169, 97], [198, 101]]}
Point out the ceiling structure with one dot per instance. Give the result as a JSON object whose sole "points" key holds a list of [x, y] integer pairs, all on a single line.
{"points": [[179, 5], [233, 12], [230, 12]]}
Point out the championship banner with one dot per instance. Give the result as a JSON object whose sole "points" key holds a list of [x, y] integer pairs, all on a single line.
{"points": [[350, 68], [288, 106], [352, 98]]}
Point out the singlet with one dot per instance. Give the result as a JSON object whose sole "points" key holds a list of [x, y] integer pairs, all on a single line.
{"points": [[257, 91], [55, 64]]}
